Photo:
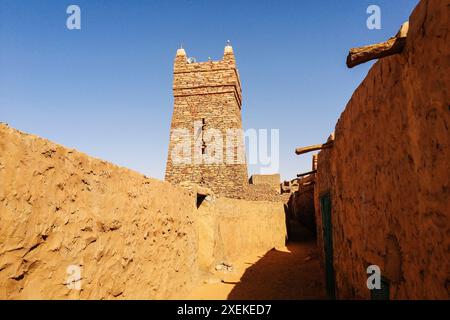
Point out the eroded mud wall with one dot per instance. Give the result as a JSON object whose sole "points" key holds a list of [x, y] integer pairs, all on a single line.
{"points": [[231, 229], [131, 236], [249, 227], [301, 207], [389, 169]]}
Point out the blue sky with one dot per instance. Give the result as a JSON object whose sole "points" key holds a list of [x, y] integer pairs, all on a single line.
{"points": [[106, 89]]}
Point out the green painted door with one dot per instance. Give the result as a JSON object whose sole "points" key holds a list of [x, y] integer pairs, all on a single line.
{"points": [[325, 208]]}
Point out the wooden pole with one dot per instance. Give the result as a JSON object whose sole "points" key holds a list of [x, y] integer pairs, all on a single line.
{"points": [[361, 55], [314, 161], [393, 46], [306, 173], [315, 147]]}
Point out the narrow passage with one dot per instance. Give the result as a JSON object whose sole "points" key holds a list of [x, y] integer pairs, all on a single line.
{"points": [[291, 273]]}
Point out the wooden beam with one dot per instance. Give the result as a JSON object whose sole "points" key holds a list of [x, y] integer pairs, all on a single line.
{"points": [[361, 55], [315, 147], [302, 180], [394, 45], [306, 173]]}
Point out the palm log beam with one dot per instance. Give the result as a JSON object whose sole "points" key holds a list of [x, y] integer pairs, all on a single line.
{"points": [[393, 46], [306, 174], [315, 147]]}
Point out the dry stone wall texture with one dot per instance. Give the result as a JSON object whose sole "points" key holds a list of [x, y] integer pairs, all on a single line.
{"points": [[209, 94]]}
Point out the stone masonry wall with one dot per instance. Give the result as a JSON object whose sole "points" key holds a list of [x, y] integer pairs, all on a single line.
{"points": [[389, 170], [272, 180], [209, 93]]}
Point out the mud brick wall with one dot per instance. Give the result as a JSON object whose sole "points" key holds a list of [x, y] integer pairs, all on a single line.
{"points": [[132, 237], [249, 227], [230, 229], [210, 92], [301, 207], [389, 170]]}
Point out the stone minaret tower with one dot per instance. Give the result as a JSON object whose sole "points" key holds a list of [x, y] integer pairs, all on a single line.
{"points": [[206, 139]]}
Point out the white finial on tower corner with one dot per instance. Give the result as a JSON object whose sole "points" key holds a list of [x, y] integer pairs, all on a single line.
{"points": [[228, 47], [181, 52]]}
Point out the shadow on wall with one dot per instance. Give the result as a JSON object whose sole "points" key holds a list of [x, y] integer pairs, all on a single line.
{"points": [[304, 201], [292, 275], [300, 215]]}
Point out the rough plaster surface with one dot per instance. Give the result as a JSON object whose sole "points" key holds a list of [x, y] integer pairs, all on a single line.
{"points": [[231, 229], [301, 207], [389, 169], [248, 227], [131, 236]]}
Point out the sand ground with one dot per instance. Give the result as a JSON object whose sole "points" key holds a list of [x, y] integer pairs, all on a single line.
{"points": [[291, 273]]}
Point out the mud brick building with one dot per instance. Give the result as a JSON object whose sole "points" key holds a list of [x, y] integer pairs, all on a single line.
{"points": [[207, 121], [382, 191]]}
